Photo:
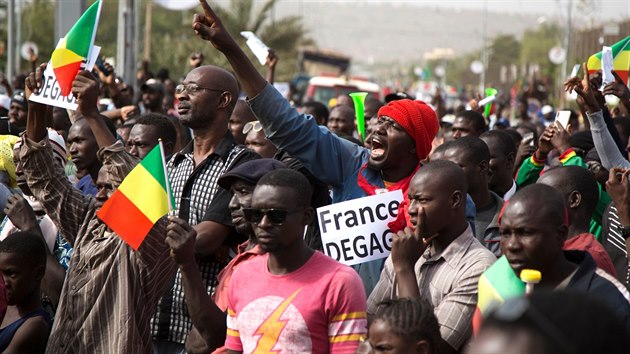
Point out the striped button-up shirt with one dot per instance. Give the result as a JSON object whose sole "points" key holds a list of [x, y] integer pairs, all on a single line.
{"points": [[448, 281], [110, 291]]}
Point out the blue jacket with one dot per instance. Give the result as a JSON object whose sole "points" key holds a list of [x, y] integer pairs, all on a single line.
{"points": [[333, 160]]}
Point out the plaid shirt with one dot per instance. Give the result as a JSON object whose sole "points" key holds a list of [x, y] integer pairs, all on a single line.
{"points": [[194, 188], [448, 281]]}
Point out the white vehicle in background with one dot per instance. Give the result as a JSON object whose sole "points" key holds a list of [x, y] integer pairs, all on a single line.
{"points": [[325, 88]]}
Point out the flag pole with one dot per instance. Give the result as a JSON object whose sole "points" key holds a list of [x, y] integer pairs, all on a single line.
{"points": [[168, 183]]}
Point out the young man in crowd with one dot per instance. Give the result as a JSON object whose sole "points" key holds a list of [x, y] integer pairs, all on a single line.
{"points": [[208, 313], [402, 138], [502, 156], [97, 312], [291, 299], [441, 260], [147, 131], [26, 326], [468, 123], [472, 155], [579, 189], [534, 229]]}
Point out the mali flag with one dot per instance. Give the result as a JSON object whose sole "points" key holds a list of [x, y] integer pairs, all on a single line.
{"points": [[140, 201], [497, 284], [621, 59], [75, 48]]}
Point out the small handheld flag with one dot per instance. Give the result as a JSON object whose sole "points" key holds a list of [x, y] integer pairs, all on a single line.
{"points": [[144, 196], [621, 59], [497, 284], [75, 48]]}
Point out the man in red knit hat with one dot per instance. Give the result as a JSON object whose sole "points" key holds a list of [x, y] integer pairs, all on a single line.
{"points": [[400, 141]]}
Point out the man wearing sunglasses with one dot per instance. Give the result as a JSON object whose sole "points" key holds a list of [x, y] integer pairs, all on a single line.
{"points": [[291, 299], [207, 98], [400, 141], [208, 313]]}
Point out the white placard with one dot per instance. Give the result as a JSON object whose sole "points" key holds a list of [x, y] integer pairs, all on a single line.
{"points": [[260, 49], [50, 93], [607, 67], [356, 231]]}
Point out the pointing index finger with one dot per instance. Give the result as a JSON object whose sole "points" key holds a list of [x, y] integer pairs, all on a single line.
{"points": [[207, 9]]}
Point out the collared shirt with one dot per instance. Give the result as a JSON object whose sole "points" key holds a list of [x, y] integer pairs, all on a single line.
{"points": [[194, 188], [110, 291], [448, 281]]}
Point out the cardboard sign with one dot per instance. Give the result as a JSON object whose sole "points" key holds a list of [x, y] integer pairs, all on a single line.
{"points": [[50, 93], [356, 231]]}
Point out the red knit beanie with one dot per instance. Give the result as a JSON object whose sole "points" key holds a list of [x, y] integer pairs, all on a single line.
{"points": [[418, 119]]}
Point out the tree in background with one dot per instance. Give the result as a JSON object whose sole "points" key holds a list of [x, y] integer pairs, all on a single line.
{"points": [[172, 38]]}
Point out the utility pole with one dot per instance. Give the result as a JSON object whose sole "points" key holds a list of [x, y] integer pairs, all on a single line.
{"points": [[567, 48], [11, 40], [484, 48]]}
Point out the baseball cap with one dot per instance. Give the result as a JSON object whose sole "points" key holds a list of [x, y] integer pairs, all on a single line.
{"points": [[250, 171]]}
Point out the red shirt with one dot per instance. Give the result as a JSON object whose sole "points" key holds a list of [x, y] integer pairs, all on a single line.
{"points": [[587, 242]]}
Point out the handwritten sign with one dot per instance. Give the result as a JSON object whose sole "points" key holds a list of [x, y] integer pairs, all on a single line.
{"points": [[50, 93], [356, 231]]}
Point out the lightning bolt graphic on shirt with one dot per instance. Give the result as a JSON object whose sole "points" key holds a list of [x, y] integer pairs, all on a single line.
{"points": [[272, 327]]}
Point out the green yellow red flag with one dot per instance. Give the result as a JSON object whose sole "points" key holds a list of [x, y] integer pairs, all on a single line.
{"points": [[497, 284], [621, 59], [75, 48], [140, 201]]}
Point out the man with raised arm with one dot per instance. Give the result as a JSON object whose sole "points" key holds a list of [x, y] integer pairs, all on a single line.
{"points": [[110, 291], [400, 141]]}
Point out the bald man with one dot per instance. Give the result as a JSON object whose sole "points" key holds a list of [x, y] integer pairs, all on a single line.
{"points": [[207, 99], [441, 260], [533, 232], [341, 120], [579, 189]]}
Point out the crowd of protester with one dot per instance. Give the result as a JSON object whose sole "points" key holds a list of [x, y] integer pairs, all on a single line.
{"points": [[238, 265]]}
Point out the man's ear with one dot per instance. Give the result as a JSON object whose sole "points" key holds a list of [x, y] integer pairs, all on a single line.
{"points": [[41, 271], [423, 347], [510, 159], [226, 99], [412, 149], [484, 167], [457, 199], [575, 198]]}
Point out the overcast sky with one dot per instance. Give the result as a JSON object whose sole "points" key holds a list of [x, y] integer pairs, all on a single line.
{"points": [[604, 9]]}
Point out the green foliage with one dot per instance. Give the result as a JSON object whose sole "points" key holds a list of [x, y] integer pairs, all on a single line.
{"points": [[535, 47], [172, 38]]}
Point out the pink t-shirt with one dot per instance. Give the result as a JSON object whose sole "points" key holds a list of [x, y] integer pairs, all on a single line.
{"points": [[319, 308]]}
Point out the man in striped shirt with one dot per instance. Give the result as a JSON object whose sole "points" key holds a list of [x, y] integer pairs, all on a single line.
{"points": [[292, 299]]}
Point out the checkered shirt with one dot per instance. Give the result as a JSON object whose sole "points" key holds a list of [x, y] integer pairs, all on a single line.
{"points": [[193, 188]]}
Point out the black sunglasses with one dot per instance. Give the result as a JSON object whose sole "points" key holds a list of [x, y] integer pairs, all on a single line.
{"points": [[276, 216]]}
